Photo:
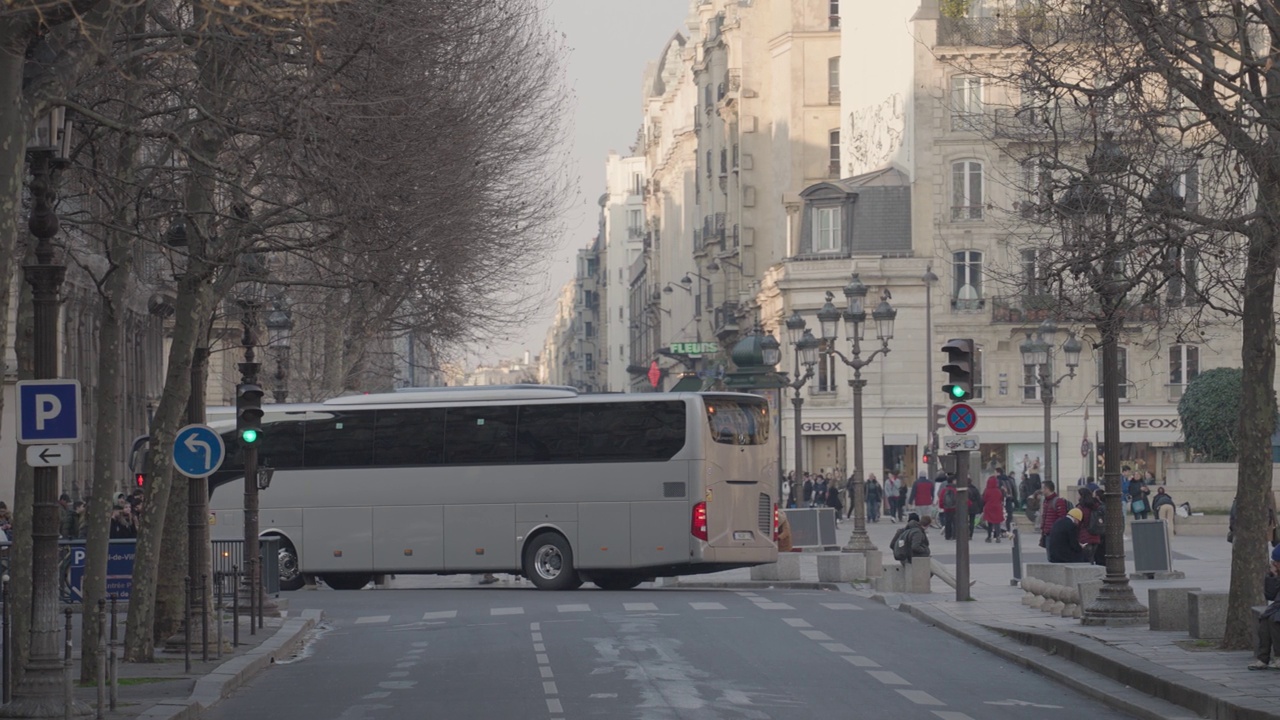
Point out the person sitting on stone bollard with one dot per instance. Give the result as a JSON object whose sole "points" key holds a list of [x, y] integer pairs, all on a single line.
{"points": [[1268, 652], [911, 541], [1064, 538]]}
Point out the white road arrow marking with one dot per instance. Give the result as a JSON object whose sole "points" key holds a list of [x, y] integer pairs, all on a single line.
{"points": [[1023, 703], [192, 443]]}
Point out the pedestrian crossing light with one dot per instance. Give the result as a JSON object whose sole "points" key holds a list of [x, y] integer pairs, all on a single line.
{"points": [[249, 413], [959, 369]]}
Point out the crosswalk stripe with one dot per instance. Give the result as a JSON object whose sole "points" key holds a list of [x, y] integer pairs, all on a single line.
{"points": [[920, 697], [840, 606], [639, 607], [797, 622], [706, 606], [840, 648], [861, 661], [951, 715], [815, 635], [580, 607], [506, 611], [773, 606], [368, 619], [440, 615], [553, 705], [887, 677]]}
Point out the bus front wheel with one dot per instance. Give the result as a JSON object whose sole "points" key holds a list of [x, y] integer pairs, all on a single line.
{"points": [[346, 581], [290, 575], [617, 581], [548, 563]]}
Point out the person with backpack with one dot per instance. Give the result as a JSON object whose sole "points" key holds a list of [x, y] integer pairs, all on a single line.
{"points": [[1092, 523], [975, 506], [922, 495], [1010, 490], [948, 500], [911, 541], [1053, 507]]}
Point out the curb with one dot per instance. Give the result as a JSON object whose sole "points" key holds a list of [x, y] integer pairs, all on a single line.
{"points": [[755, 585], [212, 688], [1064, 669]]}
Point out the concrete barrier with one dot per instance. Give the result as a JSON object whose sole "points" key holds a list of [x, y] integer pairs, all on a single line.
{"points": [[786, 569], [1055, 588], [1167, 608], [841, 567], [1207, 614]]}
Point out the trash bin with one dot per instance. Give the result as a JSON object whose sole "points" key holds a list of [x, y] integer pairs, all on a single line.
{"points": [[269, 547]]}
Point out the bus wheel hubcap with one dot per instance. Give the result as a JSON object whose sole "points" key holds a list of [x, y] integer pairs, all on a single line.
{"points": [[288, 565], [548, 562]]}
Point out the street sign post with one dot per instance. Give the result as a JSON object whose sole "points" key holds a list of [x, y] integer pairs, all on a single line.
{"points": [[48, 412], [961, 443], [962, 418], [49, 455], [198, 451]]}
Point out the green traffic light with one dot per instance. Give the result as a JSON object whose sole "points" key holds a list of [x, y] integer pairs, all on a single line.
{"points": [[249, 436], [957, 391]]}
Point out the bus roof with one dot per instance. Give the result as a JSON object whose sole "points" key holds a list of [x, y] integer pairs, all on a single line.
{"points": [[465, 393]]}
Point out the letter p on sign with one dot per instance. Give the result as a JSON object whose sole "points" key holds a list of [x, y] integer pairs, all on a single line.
{"points": [[48, 412]]}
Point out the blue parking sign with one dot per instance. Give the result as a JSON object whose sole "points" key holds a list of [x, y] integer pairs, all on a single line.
{"points": [[48, 411]]}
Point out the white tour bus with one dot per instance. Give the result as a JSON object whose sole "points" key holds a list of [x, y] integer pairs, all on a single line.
{"points": [[533, 480]]}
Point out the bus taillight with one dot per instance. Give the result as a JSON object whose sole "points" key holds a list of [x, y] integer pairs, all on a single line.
{"points": [[699, 525], [775, 522]]}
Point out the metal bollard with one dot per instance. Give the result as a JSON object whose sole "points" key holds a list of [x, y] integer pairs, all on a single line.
{"points": [[102, 658], [1017, 558], [186, 626], [204, 618], [253, 595], [68, 698], [260, 596], [113, 678], [4, 637], [235, 606], [217, 604]]}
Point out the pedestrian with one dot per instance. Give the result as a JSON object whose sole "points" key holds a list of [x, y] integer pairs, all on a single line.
{"points": [[891, 486], [902, 497], [1165, 509], [1139, 502], [1064, 538], [808, 491], [82, 523], [67, 523], [874, 497], [1010, 490], [911, 541], [6, 521], [1052, 508], [1267, 653], [820, 486], [948, 501], [993, 507], [922, 495], [786, 489], [122, 523], [1092, 523], [833, 501], [850, 495], [975, 506]]}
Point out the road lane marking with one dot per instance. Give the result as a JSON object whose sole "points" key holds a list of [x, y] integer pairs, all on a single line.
{"points": [[549, 688], [406, 665], [861, 661], [397, 684], [639, 607], [745, 593], [377, 695], [951, 715], [542, 660], [797, 622], [537, 637], [920, 697], [539, 648], [554, 706], [840, 606], [578, 607], [816, 635], [369, 619], [398, 674], [840, 648], [1022, 703], [545, 671], [441, 615], [773, 606], [535, 627], [506, 611], [706, 606], [887, 677]]}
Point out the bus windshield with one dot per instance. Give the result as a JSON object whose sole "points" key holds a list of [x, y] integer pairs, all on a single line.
{"points": [[738, 421]]}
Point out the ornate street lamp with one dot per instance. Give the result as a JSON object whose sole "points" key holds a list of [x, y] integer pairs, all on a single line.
{"points": [[280, 338], [1038, 354], [855, 318], [806, 356]]}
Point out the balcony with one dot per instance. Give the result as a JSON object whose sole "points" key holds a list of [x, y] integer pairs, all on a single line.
{"points": [[1021, 309], [1008, 31]]}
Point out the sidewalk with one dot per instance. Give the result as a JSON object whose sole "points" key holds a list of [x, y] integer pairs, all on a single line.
{"points": [[1166, 665], [163, 690]]}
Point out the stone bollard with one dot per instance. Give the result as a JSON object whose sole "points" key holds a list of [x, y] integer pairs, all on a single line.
{"points": [[841, 567]]}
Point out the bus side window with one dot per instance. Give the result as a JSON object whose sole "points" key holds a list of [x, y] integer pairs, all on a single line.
{"points": [[547, 433], [344, 439], [480, 435], [409, 437]]}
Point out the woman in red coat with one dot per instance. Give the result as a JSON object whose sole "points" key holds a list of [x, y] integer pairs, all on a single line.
{"points": [[993, 508]]}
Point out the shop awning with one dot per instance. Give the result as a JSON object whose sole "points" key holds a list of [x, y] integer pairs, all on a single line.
{"points": [[688, 383]]}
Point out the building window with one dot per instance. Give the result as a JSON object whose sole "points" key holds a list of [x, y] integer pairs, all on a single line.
{"points": [[1035, 280], [826, 230], [591, 329], [1031, 380], [833, 15], [826, 371], [589, 362], [1184, 366], [833, 153], [635, 223], [966, 190], [966, 102], [967, 294], [1182, 283], [1122, 366], [637, 184], [833, 81]]}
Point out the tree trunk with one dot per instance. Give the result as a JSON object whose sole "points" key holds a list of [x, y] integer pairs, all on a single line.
{"points": [[1257, 422], [24, 496], [170, 582]]}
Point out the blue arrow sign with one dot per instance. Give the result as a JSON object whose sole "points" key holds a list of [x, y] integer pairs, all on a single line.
{"points": [[198, 451], [48, 411], [961, 418]]}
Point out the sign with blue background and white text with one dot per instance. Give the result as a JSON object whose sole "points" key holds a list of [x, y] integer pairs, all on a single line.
{"points": [[48, 411]]}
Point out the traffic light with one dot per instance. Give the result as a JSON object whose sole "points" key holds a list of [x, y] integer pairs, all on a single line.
{"points": [[249, 413], [924, 460], [140, 479], [959, 370]]}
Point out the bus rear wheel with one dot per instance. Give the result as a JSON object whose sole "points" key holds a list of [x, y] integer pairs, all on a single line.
{"points": [[617, 581], [346, 581], [548, 563]]}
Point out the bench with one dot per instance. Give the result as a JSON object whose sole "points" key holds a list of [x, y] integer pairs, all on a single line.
{"points": [[1207, 614], [915, 578], [1167, 607], [1055, 588]]}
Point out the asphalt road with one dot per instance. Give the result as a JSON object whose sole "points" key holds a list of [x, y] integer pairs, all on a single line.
{"points": [[500, 653]]}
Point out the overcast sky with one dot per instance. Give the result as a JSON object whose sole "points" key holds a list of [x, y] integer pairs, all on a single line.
{"points": [[610, 42]]}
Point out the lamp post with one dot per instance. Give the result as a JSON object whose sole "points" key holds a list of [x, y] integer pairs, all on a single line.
{"points": [[1038, 354], [280, 338], [252, 290], [806, 354], [755, 357], [931, 417], [1090, 208], [40, 692], [855, 318]]}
